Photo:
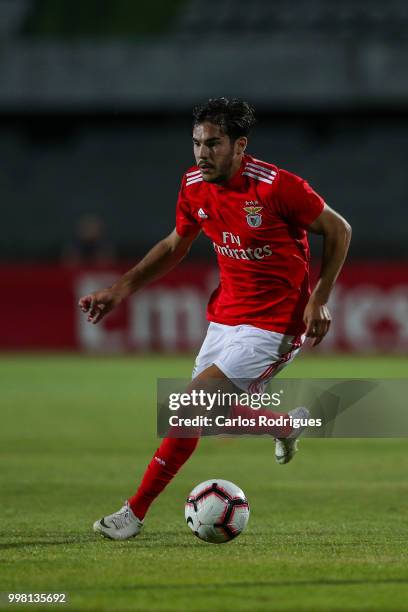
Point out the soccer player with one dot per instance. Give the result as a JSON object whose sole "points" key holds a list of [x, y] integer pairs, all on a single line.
{"points": [[257, 217]]}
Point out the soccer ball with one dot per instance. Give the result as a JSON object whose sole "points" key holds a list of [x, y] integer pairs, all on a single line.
{"points": [[217, 511]]}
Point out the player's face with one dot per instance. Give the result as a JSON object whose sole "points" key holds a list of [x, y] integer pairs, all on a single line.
{"points": [[217, 156]]}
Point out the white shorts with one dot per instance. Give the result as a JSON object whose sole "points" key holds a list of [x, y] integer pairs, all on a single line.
{"points": [[247, 355]]}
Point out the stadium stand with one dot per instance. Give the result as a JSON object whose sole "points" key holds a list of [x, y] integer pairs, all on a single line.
{"points": [[101, 170], [336, 125], [326, 17], [12, 15], [96, 19]]}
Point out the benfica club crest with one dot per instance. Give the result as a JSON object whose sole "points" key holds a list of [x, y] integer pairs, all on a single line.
{"points": [[254, 219]]}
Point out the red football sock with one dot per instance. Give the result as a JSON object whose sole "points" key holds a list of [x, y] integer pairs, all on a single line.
{"points": [[280, 430], [166, 462]]}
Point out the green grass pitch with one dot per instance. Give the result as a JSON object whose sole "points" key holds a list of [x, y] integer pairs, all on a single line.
{"points": [[327, 532]]}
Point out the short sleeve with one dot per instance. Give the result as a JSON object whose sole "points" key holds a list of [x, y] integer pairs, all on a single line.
{"points": [[298, 203], [185, 222]]}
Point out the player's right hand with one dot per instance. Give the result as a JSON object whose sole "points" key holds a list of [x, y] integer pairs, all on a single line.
{"points": [[99, 304]]}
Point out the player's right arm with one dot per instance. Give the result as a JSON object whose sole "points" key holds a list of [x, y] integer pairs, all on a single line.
{"points": [[164, 256]]}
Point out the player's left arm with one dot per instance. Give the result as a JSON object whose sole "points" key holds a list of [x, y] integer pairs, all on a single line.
{"points": [[336, 234]]}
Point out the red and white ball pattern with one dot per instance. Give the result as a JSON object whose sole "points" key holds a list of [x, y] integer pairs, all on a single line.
{"points": [[217, 511]]}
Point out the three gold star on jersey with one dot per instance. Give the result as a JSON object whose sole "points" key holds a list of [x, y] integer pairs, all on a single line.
{"points": [[254, 219]]}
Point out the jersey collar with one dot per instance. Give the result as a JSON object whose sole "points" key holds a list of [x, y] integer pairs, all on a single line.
{"points": [[236, 182]]}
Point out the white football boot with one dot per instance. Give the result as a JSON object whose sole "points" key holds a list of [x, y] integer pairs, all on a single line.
{"points": [[286, 448], [120, 525]]}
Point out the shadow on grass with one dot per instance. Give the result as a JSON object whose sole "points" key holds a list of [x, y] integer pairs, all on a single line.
{"points": [[164, 540], [254, 584], [45, 543]]}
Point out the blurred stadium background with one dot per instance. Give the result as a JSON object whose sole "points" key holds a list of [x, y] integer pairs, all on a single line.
{"points": [[95, 104], [95, 133]]}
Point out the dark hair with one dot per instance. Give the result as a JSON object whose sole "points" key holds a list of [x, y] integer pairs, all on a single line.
{"points": [[235, 117]]}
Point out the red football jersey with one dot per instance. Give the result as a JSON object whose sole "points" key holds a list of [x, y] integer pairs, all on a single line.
{"points": [[256, 223]]}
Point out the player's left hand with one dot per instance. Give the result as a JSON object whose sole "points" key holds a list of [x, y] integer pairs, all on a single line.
{"points": [[317, 319]]}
